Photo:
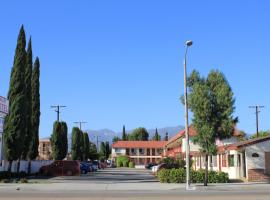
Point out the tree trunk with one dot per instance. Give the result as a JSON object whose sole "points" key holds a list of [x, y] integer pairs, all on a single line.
{"points": [[206, 171], [29, 167], [9, 166], [18, 165]]}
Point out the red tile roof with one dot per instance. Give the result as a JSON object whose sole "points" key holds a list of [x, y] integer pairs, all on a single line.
{"points": [[139, 144], [192, 132], [241, 144]]}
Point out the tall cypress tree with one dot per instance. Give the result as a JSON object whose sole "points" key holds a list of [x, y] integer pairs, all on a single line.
{"points": [[86, 146], [14, 128], [28, 99], [77, 144], [64, 140], [166, 138], [35, 113], [56, 141], [59, 140], [156, 136], [124, 135]]}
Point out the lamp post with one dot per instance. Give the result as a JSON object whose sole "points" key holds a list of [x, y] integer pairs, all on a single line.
{"points": [[188, 44]]}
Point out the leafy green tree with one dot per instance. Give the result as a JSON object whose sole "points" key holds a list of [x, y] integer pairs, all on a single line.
{"points": [[28, 100], [77, 144], [14, 127], [261, 134], [86, 146], [156, 136], [59, 140], [242, 136], [115, 139], [93, 154], [139, 134], [124, 135], [35, 114], [212, 104], [102, 150], [108, 150]]}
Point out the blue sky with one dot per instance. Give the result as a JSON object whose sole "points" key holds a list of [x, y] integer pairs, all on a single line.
{"points": [[120, 62]]}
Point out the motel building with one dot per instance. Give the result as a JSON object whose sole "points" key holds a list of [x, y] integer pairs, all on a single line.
{"points": [[139, 152], [247, 160]]}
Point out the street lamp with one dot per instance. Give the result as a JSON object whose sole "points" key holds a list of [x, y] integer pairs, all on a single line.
{"points": [[188, 44]]}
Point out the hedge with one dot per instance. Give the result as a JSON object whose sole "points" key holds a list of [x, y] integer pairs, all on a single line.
{"points": [[7, 175], [122, 161], [131, 165], [179, 176]]}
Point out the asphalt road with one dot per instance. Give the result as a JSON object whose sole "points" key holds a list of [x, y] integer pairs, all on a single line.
{"points": [[128, 184]]}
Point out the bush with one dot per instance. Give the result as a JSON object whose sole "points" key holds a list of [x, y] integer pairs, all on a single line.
{"points": [[131, 165], [179, 176], [164, 175], [24, 180], [125, 163], [172, 163], [119, 163], [122, 161]]}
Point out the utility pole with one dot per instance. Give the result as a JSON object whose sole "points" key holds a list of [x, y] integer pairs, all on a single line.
{"points": [[97, 143], [80, 124], [58, 110], [188, 44], [257, 117]]}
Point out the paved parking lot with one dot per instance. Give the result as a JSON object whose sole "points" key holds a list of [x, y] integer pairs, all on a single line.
{"points": [[111, 176], [127, 184]]}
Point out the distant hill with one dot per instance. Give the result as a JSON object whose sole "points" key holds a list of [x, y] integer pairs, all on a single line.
{"points": [[107, 134]]}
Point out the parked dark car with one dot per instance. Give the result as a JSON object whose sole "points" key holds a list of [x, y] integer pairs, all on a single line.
{"points": [[61, 168], [150, 165], [85, 168]]}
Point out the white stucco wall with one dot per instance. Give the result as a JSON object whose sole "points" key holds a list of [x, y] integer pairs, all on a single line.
{"points": [[118, 151], [35, 165], [259, 148], [227, 141], [192, 146]]}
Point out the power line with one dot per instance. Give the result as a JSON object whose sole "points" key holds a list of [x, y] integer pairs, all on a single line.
{"points": [[80, 124], [257, 107], [58, 110]]}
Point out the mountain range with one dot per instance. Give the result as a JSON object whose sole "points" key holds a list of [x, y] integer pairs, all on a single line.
{"points": [[104, 135]]}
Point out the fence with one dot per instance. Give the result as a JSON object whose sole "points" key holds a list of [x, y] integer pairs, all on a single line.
{"points": [[35, 165]]}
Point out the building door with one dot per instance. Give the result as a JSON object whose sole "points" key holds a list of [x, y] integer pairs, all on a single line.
{"points": [[267, 163], [244, 164]]}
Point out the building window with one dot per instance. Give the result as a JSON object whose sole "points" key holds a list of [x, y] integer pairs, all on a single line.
{"points": [[117, 150], [214, 161], [141, 151], [224, 160], [231, 160], [255, 155], [133, 151]]}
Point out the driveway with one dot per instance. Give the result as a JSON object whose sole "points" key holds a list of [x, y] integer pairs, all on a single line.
{"points": [[111, 176]]}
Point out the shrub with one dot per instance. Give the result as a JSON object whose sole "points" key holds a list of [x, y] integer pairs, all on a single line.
{"points": [[121, 161], [125, 163], [24, 180], [172, 163], [179, 176], [164, 175], [131, 165]]}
